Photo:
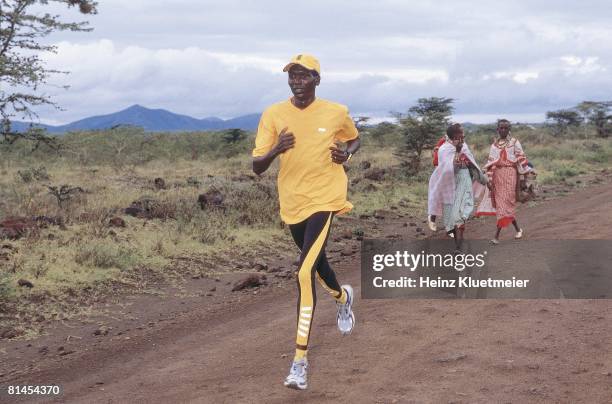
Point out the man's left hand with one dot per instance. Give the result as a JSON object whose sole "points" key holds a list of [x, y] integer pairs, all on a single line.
{"points": [[338, 156]]}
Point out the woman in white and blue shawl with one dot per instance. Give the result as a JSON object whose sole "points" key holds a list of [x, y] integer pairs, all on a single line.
{"points": [[454, 183]]}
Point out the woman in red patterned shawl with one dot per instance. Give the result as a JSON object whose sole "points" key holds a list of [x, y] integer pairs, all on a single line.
{"points": [[506, 163]]}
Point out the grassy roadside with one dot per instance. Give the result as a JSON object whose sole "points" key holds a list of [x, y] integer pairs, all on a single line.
{"points": [[83, 259]]}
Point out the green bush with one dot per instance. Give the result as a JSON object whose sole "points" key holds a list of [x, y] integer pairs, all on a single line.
{"points": [[5, 285], [129, 145], [105, 254], [597, 157], [566, 172], [551, 153]]}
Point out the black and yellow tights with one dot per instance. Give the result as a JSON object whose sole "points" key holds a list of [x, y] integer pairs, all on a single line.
{"points": [[311, 237]]}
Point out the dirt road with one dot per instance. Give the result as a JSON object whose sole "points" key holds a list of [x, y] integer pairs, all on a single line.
{"points": [[405, 351]]}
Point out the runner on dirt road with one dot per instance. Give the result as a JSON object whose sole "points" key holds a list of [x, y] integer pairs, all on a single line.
{"points": [[312, 188]]}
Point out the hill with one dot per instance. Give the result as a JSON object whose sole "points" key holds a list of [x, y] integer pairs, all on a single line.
{"points": [[153, 120]]}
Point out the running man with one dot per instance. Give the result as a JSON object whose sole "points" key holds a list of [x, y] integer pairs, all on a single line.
{"points": [[506, 163], [312, 188]]}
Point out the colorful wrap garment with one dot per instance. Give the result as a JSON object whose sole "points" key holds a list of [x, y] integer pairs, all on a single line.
{"points": [[452, 189], [434, 159], [506, 162]]}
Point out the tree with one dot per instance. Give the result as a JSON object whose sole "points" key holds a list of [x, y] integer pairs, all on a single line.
{"points": [[602, 119], [22, 72], [598, 114], [381, 132], [123, 142], [361, 122], [422, 126], [562, 119], [232, 136], [234, 142], [586, 109]]}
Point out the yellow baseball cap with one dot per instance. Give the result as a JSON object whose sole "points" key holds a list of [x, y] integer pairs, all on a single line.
{"points": [[308, 61]]}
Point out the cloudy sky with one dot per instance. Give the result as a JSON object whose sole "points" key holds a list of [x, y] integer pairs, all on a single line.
{"points": [[515, 59]]}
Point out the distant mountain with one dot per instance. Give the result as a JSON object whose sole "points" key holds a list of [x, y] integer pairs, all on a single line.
{"points": [[247, 122], [23, 126], [153, 120]]}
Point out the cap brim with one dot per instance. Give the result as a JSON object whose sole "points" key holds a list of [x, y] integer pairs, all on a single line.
{"points": [[289, 66]]}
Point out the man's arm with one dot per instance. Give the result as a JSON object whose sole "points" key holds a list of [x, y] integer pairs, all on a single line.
{"points": [[286, 141], [340, 156], [353, 146]]}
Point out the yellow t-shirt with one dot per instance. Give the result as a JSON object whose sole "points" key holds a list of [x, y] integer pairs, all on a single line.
{"points": [[308, 180]]}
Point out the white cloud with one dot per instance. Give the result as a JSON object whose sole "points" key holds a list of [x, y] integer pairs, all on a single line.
{"points": [[190, 80], [524, 77], [520, 77], [427, 46], [225, 58], [236, 62], [577, 65], [416, 76], [571, 60]]}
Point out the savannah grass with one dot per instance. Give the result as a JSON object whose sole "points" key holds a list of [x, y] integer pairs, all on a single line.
{"points": [[77, 263]]}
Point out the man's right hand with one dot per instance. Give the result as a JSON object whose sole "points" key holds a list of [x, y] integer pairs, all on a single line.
{"points": [[286, 141]]}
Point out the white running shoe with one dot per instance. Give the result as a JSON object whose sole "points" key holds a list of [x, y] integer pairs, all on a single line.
{"points": [[519, 234], [297, 378], [431, 224], [345, 317]]}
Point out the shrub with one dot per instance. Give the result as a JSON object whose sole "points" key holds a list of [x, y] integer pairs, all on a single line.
{"points": [[104, 254], [5, 285]]}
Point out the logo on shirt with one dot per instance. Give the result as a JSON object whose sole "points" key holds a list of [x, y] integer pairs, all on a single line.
{"points": [[322, 130]]}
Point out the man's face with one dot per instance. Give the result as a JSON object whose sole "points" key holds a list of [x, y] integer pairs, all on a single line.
{"points": [[302, 82], [503, 129]]}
